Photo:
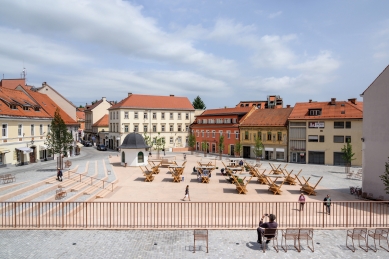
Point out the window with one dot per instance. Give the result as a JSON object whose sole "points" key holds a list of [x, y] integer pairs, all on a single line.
{"points": [[25, 108], [135, 115], [338, 139], [126, 115], [269, 136], [321, 138], [179, 127], [136, 128], [163, 127], [48, 128], [32, 130], [236, 134], [163, 115], [179, 115], [171, 115], [279, 136], [186, 140], [207, 133], [179, 140], [348, 124], [313, 138], [125, 128], [145, 115], [228, 134], [4, 130], [205, 121], [198, 133], [348, 139], [280, 155], [171, 127], [154, 115], [117, 115], [186, 128], [227, 120], [171, 140], [13, 107], [202, 133], [187, 116], [220, 133], [233, 120], [338, 124], [144, 128], [40, 129], [213, 134], [314, 112], [154, 128], [20, 130], [246, 135]]}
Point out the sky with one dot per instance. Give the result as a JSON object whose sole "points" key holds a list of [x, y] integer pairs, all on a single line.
{"points": [[223, 51]]}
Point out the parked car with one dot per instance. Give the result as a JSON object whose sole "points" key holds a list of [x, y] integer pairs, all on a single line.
{"points": [[87, 144], [101, 147]]}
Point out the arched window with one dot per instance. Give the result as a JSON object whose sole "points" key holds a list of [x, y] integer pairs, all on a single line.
{"points": [[141, 157], [123, 157]]}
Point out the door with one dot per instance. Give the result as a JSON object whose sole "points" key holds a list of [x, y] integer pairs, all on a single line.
{"points": [[213, 148], [246, 152], [32, 155], [232, 150], [316, 158], [338, 159], [294, 157]]}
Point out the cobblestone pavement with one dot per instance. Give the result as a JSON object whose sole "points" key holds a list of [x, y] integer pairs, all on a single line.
{"points": [[165, 244]]}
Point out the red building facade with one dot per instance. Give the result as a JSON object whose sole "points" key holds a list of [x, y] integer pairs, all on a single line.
{"points": [[213, 123]]}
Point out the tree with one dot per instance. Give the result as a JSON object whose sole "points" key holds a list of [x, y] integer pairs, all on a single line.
{"points": [[148, 140], [159, 144], [192, 142], [221, 145], [385, 177], [204, 147], [258, 148], [58, 138], [348, 155], [238, 148], [198, 103]]}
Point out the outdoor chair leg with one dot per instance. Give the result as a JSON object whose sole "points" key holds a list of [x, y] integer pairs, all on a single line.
{"points": [[353, 247], [364, 249]]}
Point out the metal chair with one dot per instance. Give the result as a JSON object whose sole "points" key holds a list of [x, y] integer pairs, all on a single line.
{"points": [[200, 234], [290, 234], [306, 234], [358, 234], [269, 234], [380, 234]]}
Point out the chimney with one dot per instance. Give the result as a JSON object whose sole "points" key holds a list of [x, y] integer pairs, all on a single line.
{"points": [[288, 106], [44, 83], [310, 100], [333, 101], [172, 95], [129, 94], [104, 99], [352, 100]]}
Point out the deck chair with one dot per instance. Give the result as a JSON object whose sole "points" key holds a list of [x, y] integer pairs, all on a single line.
{"points": [[290, 234], [380, 234], [269, 234], [357, 234]]}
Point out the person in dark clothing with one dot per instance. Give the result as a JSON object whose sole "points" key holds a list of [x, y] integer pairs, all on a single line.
{"points": [[271, 224], [241, 163], [59, 175], [327, 204], [186, 193]]}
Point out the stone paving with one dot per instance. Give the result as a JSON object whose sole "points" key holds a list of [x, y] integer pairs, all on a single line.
{"points": [[166, 244]]}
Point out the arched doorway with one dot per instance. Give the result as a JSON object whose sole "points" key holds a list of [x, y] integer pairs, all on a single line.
{"points": [[33, 155], [141, 158], [123, 157]]}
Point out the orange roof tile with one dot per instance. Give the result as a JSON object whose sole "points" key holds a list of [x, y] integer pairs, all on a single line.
{"points": [[154, 102], [80, 115], [12, 83], [268, 117], [339, 110], [102, 122], [226, 111]]}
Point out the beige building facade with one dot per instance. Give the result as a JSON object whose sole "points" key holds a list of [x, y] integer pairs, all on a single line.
{"points": [[93, 113]]}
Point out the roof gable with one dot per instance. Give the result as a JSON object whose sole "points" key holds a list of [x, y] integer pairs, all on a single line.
{"points": [[154, 102], [268, 117], [102, 122]]}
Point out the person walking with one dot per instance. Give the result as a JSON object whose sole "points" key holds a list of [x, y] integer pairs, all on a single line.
{"points": [[186, 193], [60, 175], [327, 203], [302, 201]]}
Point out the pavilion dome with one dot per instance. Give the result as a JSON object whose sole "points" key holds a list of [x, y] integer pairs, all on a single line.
{"points": [[134, 141]]}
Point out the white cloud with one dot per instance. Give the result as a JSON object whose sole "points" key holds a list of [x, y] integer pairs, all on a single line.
{"points": [[322, 63], [274, 15]]}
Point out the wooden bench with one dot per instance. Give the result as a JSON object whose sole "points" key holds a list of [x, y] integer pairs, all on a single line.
{"points": [[60, 193], [7, 178]]}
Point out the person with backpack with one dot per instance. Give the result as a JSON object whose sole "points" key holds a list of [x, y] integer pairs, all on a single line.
{"points": [[327, 203]]}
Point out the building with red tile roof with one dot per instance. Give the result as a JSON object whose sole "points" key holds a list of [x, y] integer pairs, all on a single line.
{"points": [[94, 113], [213, 123], [270, 125], [272, 102], [101, 130], [319, 130], [168, 117], [375, 135]]}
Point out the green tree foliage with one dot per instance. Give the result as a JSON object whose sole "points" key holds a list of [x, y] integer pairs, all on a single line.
{"points": [[204, 146], [198, 103], [348, 154], [385, 177], [58, 139], [148, 140], [192, 140], [159, 143], [238, 148], [258, 147], [221, 144]]}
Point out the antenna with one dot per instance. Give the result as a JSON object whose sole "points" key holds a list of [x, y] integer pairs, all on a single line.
{"points": [[24, 73]]}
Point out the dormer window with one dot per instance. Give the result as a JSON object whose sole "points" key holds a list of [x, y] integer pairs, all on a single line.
{"points": [[13, 107], [36, 109], [314, 112], [25, 108]]}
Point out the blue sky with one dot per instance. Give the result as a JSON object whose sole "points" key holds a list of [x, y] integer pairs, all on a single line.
{"points": [[223, 51]]}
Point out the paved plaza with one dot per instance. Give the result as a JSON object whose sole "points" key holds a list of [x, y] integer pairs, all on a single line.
{"points": [[178, 243]]}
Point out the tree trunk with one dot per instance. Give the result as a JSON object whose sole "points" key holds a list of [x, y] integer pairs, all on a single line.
{"points": [[347, 168]]}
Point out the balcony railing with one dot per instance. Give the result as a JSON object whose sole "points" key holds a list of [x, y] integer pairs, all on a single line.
{"points": [[189, 215]]}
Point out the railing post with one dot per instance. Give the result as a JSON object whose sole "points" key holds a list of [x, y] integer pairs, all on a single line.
{"points": [[14, 214]]}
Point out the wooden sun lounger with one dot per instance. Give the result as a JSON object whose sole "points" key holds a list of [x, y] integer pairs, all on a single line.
{"points": [[274, 169], [241, 187], [261, 177], [290, 179], [274, 188], [310, 190], [148, 174]]}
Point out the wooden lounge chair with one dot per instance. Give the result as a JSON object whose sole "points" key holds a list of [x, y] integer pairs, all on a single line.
{"points": [[380, 234], [357, 234], [261, 177], [310, 190], [241, 186], [274, 169], [148, 174], [274, 188], [292, 179]]}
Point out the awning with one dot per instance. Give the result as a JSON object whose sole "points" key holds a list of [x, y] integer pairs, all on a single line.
{"points": [[24, 149], [4, 150], [280, 150], [79, 145], [269, 149], [42, 147]]}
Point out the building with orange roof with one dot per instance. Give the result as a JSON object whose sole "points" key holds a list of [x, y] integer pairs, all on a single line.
{"points": [[319, 130], [272, 102], [93, 113], [270, 125], [101, 130], [168, 117], [213, 123], [81, 121], [375, 135]]}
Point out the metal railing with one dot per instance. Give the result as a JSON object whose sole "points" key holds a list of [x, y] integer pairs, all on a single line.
{"points": [[189, 215], [92, 181]]}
